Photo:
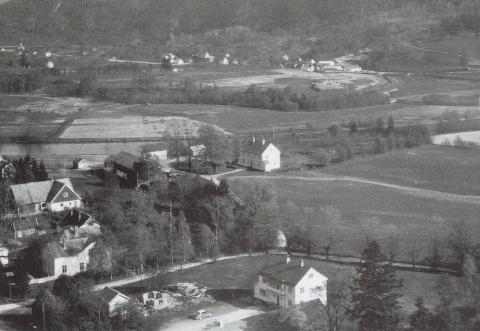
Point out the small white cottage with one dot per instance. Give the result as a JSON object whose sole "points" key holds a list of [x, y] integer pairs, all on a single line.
{"points": [[260, 155]]}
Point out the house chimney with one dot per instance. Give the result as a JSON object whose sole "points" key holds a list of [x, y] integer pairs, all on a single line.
{"points": [[263, 141], [288, 259], [253, 139], [302, 263]]}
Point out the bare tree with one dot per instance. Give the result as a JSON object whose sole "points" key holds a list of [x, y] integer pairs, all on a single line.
{"points": [[393, 242], [336, 306], [414, 253]]}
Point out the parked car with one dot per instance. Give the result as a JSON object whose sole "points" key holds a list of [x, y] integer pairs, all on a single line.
{"points": [[199, 315]]}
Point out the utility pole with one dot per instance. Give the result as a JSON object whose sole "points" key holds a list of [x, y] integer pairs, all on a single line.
{"points": [[43, 315], [171, 233], [156, 235]]}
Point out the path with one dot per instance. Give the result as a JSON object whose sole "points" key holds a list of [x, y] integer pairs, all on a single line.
{"points": [[419, 192], [7, 308], [215, 178], [443, 52]]}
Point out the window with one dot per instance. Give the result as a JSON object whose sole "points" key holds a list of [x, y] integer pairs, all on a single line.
{"points": [[82, 266], [65, 194], [302, 290], [64, 269], [263, 293], [289, 303], [61, 205], [151, 295]]}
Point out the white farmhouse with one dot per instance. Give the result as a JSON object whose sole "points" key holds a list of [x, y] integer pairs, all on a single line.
{"points": [[68, 259], [260, 155], [52, 195], [155, 151], [288, 284]]}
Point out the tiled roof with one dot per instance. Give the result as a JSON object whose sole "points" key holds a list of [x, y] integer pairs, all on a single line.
{"points": [[124, 159], [290, 273], [35, 192], [257, 147], [74, 218], [107, 294]]}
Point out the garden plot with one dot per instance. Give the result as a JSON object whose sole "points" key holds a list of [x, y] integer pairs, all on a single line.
{"points": [[131, 127]]}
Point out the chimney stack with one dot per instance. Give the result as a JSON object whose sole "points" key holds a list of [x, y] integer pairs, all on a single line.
{"points": [[263, 141], [253, 139], [302, 263], [288, 258]]}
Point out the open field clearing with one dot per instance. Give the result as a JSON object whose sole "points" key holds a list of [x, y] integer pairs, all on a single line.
{"points": [[449, 138], [369, 210], [445, 169], [463, 43], [131, 127], [242, 273]]}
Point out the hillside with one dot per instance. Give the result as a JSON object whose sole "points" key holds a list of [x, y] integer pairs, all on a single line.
{"points": [[255, 28]]}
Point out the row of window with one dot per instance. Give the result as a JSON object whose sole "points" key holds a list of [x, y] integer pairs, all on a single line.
{"points": [[65, 269]]}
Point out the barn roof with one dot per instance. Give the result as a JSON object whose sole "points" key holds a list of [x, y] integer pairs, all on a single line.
{"points": [[124, 159], [107, 294], [286, 273], [35, 192]]}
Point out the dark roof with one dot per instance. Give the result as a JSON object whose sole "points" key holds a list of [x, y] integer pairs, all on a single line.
{"points": [[124, 159], [35, 192], [154, 148], [74, 218], [107, 294], [75, 246], [56, 250], [290, 273], [256, 147]]}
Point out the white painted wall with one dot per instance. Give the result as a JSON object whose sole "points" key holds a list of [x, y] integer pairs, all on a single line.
{"points": [[115, 306], [271, 158], [310, 284], [158, 155], [61, 206], [73, 262], [4, 256]]}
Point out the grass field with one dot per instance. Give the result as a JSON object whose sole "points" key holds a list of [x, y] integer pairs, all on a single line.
{"points": [[463, 43], [242, 273], [445, 169]]}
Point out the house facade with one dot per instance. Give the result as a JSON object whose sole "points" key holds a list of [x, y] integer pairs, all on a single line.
{"points": [[288, 284], [260, 155], [68, 259], [157, 300], [50, 195], [157, 152], [4, 255], [27, 227]]}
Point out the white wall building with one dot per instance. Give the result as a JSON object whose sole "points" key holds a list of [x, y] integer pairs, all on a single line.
{"points": [[70, 259], [260, 155], [288, 284]]}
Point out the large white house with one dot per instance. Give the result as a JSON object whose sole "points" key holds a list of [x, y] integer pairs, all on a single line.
{"points": [[288, 284], [260, 155], [52, 195], [68, 259]]}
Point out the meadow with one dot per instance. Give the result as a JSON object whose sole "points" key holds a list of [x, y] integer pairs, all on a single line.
{"points": [[242, 273], [445, 169]]}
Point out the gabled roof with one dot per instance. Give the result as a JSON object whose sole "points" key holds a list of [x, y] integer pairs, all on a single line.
{"points": [[35, 192], [74, 218], [286, 273], [25, 224], [124, 159], [256, 147], [56, 250], [107, 294]]}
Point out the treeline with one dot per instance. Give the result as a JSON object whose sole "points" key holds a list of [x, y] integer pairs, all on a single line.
{"points": [[256, 97], [466, 19], [22, 80], [24, 170]]}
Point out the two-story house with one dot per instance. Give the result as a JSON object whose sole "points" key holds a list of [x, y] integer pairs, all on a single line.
{"points": [[259, 155], [68, 258], [52, 195], [288, 284]]}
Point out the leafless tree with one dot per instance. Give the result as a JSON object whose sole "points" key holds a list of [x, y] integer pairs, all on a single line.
{"points": [[392, 244], [336, 305], [414, 253]]}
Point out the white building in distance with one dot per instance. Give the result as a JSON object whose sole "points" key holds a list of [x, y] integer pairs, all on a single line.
{"points": [[260, 155]]}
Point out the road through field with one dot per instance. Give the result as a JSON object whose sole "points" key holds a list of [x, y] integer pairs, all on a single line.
{"points": [[419, 192]]}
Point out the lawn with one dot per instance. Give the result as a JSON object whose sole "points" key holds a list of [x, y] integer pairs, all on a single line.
{"points": [[445, 169], [242, 273]]}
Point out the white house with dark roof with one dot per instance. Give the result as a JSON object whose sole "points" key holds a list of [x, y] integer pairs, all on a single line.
{"points": [[68, 259], [260, 155], [288, 284], [52, 195]]}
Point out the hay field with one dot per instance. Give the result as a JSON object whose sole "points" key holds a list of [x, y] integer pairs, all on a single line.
{"points": [[468, 136], [367, 211], [131, 127], [445, 169]]}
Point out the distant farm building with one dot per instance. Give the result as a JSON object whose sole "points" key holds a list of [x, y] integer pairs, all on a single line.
{"points": [[197, 150], [52, 195], [260, 155], [287, 284], [157, 300], [129, 168], [27, 227], [112, 300], [155, 151]]}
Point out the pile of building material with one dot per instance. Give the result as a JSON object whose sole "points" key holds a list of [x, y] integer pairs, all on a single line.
{"points": [[191, 293]]}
